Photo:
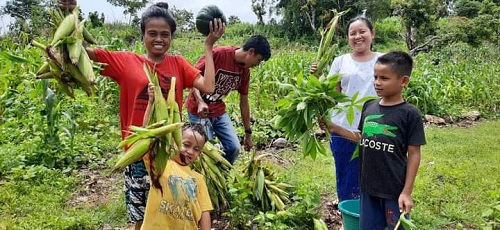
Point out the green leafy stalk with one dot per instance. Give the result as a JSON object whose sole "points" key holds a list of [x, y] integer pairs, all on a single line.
{"points": [[310, 99]]}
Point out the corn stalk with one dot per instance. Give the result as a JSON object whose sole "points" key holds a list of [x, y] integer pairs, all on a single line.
{"points": [[327, 48]]}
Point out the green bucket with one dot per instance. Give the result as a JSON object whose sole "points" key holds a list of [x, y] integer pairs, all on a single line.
{"points": [[350, 214]]}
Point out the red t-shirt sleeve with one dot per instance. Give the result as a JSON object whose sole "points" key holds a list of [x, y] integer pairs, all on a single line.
{"points": [[116, 62], [189, 73]]}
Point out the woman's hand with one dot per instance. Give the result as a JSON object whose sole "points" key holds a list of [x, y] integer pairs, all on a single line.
{"points": [[217, 29], [151, 92], [323, 124], [313, 67]]}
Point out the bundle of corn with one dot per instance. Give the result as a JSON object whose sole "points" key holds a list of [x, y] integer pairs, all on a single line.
{"points": [[267, 191], [216, 170], [326, 49], [161, 139], [67, 61]]}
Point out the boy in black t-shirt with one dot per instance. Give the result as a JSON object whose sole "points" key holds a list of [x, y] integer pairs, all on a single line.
{"points": [[390, 139]]}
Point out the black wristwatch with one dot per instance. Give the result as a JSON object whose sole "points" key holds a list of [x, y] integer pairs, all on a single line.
{"points": [[248, 131]]}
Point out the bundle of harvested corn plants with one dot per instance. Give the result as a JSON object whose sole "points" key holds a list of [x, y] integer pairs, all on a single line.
{"points": [[216, 170], [298, 112], [267, 191], [67, 61]]}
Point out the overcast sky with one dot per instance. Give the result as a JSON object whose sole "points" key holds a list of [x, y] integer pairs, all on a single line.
{"points": [[240, 8]]}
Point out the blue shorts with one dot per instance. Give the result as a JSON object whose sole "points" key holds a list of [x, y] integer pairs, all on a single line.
{"points": [[136, 190], [378, 213]]}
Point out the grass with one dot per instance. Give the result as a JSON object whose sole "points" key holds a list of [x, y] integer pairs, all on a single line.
{"points": [[458, 177]]}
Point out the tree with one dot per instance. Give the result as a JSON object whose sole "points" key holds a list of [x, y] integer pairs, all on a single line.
{"points": [[259, 8], [233, 19], [374, 9], [184, 19], [95, 20], [29, 15], [306, 16], [419, 19], [131, 6], [467, 8]]}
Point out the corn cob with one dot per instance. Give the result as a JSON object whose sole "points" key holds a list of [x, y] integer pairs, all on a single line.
{"points": [[161, 157], [134, 153], [85, 66], [88, 36], [212, 166], [259, 184], [325, 43], [216, 154], [66, 27], [150, 133], [75, 47]]}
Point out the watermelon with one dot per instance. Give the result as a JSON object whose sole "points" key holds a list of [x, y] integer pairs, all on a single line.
{"points": [[207, 14]]}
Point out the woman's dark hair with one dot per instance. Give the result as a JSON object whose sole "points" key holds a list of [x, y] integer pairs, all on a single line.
{"points": [[367, 21], [158, 10], [195, 127]]}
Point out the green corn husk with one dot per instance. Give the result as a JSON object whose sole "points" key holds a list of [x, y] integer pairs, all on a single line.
{"points": [[326, 48]]}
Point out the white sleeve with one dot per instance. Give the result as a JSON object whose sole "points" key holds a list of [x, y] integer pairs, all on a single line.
{"points": [[335, 68]]}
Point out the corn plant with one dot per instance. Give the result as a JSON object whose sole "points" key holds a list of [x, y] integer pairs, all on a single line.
{"points": [[309, 99]]}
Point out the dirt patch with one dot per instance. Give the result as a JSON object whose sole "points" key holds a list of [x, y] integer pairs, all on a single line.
{"points": [[96, 188], [276, 158], [330, 212]]}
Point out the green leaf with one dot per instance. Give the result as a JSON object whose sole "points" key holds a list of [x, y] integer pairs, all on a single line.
{"points": [[355, 154], [365, 99], [300, 79], [355, 96], [13, 58], [350, 115], [407, 224]]}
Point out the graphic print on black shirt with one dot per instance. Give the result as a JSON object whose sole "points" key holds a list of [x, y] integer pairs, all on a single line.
{"points": [[225, 81], [372, 128]]}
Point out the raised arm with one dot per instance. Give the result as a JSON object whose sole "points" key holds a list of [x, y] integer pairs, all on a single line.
{"points": [[206, 83]]}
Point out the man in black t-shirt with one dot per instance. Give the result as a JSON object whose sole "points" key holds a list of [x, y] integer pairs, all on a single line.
{"points": [[389, 142]]}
